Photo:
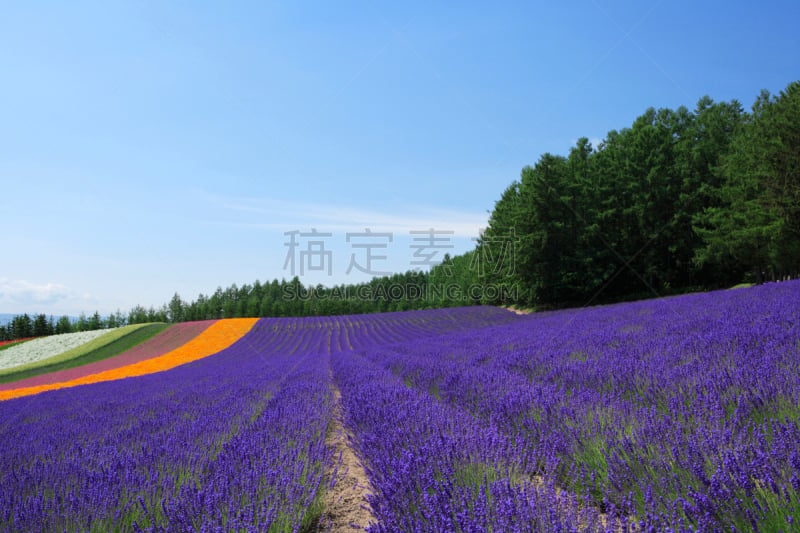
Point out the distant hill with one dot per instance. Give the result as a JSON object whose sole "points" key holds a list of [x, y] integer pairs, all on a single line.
{"points": [[5, 318]]}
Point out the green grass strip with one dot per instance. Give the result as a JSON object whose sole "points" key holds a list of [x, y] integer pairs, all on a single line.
{"points": [[105, 346]]}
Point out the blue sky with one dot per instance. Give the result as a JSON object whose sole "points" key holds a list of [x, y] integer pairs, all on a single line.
{"points": [[154, 147]]}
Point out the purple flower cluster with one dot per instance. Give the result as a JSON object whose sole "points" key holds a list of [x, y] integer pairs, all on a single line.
{"points": [[678, 414], [232, 442], [434, 467]]}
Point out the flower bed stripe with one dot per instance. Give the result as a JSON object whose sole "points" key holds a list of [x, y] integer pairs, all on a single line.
{"points": [[14, 341], [78, 351], [173, 337], [215, 338], [45, 347]]}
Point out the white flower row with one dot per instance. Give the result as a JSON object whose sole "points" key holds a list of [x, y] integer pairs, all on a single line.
{"points": [[45, 347]]}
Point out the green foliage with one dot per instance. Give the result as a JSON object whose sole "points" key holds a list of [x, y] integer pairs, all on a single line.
{"points": [[453, 282], [24, 326], [64, 325], [756, 221], [679, 201]]}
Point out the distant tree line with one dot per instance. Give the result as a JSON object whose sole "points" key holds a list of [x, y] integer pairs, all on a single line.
{"points": [[444, 285], [682, 200], [25, 326]]}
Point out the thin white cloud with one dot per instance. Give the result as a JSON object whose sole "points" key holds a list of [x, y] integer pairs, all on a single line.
{"points": [[280, 215], [21, 292], [22, 296]]}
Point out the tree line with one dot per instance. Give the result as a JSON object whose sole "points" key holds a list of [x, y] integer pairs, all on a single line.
{"points": [[681, 200], [40, 325], [443, 285], [398, 292]]}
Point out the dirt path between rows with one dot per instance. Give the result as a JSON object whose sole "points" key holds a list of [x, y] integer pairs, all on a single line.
{"points": [[346, 506]]}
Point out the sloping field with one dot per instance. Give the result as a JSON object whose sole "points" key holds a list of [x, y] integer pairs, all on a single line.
{"points": [[235, 441], [119, 355], [42, 348], [678, 415], [101, 348], [7, 344], [75, 353], [216, 337]]}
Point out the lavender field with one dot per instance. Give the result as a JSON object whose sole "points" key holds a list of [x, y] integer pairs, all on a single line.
{"points": [[677, 414]]}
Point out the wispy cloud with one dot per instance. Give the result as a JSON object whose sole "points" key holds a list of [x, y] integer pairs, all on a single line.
{"points": [[22, 296], [26, 293], [281, 215]]}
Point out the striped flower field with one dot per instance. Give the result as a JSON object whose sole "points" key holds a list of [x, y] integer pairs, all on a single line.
{"points": [[678, 414], [170, 339], [79, 351], [43, 348], [213, 339]]}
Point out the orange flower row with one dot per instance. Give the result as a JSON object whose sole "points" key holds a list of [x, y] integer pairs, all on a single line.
{"points": [[216, 338]]}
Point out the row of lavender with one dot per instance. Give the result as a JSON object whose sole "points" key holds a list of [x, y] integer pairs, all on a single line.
{"points": [[199, 447], [435, 468], [235, 441], [671, 415]]}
